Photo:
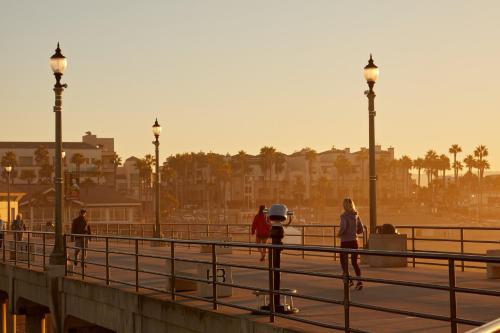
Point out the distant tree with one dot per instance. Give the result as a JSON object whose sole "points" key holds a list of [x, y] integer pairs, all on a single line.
{"points": [[28, 175], [455, 149], [279, 167], [98, 169], [406, 163], [344, 167], [444, 164], [418, 164], [9, 159], [311, 156], [77, 159], [470, 163], [117, 161], [266, 162]]}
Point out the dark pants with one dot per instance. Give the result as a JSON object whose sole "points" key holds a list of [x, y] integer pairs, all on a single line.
{"points": [[354, 257]]}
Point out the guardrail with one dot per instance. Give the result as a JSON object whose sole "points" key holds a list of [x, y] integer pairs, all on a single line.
{"points": [[23, 251], [463, 240]]}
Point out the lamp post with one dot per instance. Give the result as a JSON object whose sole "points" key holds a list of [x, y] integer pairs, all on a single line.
{"points": [[58, 64], [371, 74], [156, 132], [8, 169]]}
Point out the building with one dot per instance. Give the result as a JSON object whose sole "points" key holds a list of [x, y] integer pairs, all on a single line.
{"points": [[33, 162]]}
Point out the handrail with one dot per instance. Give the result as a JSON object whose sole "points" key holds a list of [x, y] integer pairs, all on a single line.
{"points": [[134, 252], [491, 327]]}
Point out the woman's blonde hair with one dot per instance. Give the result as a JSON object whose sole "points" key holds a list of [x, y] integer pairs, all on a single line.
{"points": [[349, 205]]}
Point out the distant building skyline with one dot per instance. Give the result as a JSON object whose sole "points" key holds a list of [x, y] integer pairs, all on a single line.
{"points": [[224, 76]]}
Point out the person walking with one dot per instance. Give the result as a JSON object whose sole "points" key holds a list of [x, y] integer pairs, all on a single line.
{"points": [[260, 228], [18, 225], [80, 226], [350, 227]]}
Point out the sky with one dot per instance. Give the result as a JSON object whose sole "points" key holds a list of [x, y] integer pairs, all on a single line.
{"points": [[233, 75]]}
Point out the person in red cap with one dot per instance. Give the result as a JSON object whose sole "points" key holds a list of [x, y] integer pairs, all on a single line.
{"points": [[260, 228]]}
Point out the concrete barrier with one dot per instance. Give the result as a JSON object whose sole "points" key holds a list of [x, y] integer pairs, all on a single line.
{"points": [[219, 249], [386, 242], [224, 274], [184, 268], [493, 270]]}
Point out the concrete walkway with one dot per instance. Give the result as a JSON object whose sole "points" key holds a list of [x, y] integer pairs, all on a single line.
{"points": [[472, 307]]}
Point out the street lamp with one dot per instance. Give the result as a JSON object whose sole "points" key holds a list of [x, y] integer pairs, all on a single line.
{"points": [[371, 74], [156, 132], [8, 169], [58, 64]]}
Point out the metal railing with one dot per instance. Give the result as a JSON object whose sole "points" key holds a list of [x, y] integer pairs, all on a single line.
{"points": [[463, 240], [24, 251]]}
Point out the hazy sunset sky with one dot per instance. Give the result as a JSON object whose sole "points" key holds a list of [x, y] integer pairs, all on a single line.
{"points": [[228, 75]]}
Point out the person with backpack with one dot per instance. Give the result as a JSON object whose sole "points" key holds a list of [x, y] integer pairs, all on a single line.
{"points": [[350, 227], [80, 226], [18, 225], [260, 228]]}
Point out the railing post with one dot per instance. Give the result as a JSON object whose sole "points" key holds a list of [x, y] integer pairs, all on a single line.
{"points": [[453, 301], [208, 230], [227, 231], [214, 278], [28, 250], [15, 248], [303, 241], [462, 246], [130, 230], [107, 229], [4, 240], [347, 297], [271, 284], [188, 235], [136, 265], [43, 250], [172, 270], [413, 244], [82, 255], [65, 244], [250, 240], [107, 260], [334, 241]]}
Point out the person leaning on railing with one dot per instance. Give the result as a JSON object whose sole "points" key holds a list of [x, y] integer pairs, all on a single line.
{"points": [[80, 226], [350, 227]]}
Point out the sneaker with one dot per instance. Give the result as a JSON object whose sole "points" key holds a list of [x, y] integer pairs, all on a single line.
{"points": [[351, 283], [359, 285]]}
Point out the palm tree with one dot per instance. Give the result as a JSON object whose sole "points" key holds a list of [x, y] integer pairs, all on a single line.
{"points": [[430, 165], [406, 163], [311, 156], [9, 159], [470, 163], [266, 161], [145, 168], [279, 167], [117, 161], [28, 175], [444, 164], [98, 169], [418, 164], [362, 156], [41, 156], [241, 165], [344, 167], [455, 149], [77, 159]]}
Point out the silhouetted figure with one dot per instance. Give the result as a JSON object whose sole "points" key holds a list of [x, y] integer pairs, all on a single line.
{"points": [[260, 228], [82, 227], [350, 227], [18, 225]]}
